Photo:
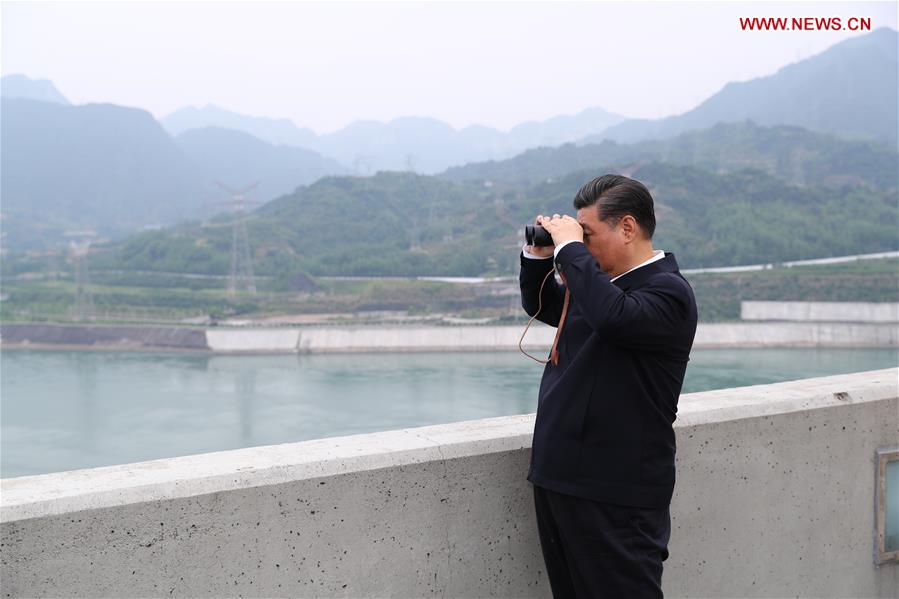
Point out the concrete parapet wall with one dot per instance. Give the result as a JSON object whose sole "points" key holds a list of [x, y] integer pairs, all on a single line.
{"points": [[774, 497], [882, 312]]}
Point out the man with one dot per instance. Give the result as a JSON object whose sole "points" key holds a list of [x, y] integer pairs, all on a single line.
{"points": [[602, 461]]}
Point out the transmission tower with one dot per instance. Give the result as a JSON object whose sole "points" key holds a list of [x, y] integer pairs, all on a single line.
{"points": [[240, 277], [79, 247]]}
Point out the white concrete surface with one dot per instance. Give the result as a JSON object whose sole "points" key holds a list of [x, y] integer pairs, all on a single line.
{"points": [[252, 340], [795, 334], [884, 312], [774, 498], [419, 338], [539, 337]]}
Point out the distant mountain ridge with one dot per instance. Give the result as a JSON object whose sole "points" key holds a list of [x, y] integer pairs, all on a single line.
{"points": [[237, 159], [20, 86], [275, 131], [115, 170], [850, 89], [420, 144], [96, 166]]}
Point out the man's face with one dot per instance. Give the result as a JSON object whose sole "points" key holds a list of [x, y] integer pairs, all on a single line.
{"points": [[605, 243]]}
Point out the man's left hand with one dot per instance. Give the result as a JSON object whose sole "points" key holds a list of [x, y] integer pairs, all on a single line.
{"points": [[563, 228]]}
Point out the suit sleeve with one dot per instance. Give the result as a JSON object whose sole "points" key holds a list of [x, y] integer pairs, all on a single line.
{"points": [[531, 276], [647, 318]]}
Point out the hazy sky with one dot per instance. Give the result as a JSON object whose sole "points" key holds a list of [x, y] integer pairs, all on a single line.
{"points": [[324, 65]]}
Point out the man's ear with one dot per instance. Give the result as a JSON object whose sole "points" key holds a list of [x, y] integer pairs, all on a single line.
{"points": [[629, 226]]}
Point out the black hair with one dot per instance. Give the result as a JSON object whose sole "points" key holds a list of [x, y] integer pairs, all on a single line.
{"points": [[616, 196]]}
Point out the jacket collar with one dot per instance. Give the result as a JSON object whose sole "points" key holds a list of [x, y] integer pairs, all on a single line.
{"points": [[637, 277]]}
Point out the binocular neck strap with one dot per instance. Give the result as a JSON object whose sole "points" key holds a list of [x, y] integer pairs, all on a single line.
{"points": [[554, 352]]}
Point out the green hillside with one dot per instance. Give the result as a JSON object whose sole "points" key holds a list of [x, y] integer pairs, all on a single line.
{"points": [[747, 217], [793, 154], [401, 224], [397, 224]]}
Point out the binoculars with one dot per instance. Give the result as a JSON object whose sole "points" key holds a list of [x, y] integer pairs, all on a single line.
{"points": [[537, 236]]}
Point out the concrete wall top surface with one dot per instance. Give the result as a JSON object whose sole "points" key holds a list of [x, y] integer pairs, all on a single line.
{"points": [[63, 492]]}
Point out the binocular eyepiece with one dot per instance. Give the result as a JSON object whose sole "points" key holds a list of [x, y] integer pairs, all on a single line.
{"points": [[537, 236]]}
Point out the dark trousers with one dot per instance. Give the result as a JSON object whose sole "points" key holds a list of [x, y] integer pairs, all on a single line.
{"points": [[595, 549]]}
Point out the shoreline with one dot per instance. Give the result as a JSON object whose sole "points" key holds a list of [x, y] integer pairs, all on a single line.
{"points": [[415, 338]]}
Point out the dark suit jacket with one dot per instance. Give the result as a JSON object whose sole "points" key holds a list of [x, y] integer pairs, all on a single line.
{"points": [[605, 412]]}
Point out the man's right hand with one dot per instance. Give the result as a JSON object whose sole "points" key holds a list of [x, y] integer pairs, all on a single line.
{"points": [[544, 251]]}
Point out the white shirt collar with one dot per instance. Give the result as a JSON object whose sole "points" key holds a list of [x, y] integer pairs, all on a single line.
{"points": [[656, 256]]}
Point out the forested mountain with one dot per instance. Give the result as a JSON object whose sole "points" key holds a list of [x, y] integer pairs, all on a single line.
{"points": [[115, 170], [95, 166], [747, 216], [406, 224], [849, 90], [793, 154], [392, 223]]}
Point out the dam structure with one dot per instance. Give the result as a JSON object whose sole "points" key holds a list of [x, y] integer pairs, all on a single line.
{"points": [[763, 324]]}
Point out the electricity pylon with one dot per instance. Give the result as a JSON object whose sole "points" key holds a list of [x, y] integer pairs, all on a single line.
{"points": [[78, 250], [241, 274]]}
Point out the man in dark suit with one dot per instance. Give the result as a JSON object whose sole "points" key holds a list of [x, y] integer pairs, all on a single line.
{"points": [[602, 461]]}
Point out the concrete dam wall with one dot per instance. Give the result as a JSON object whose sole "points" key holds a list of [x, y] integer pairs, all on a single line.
{"points": [[326, 339]]}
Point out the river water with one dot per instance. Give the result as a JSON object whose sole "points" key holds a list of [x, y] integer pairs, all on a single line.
{"points": [[64, 410]]}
